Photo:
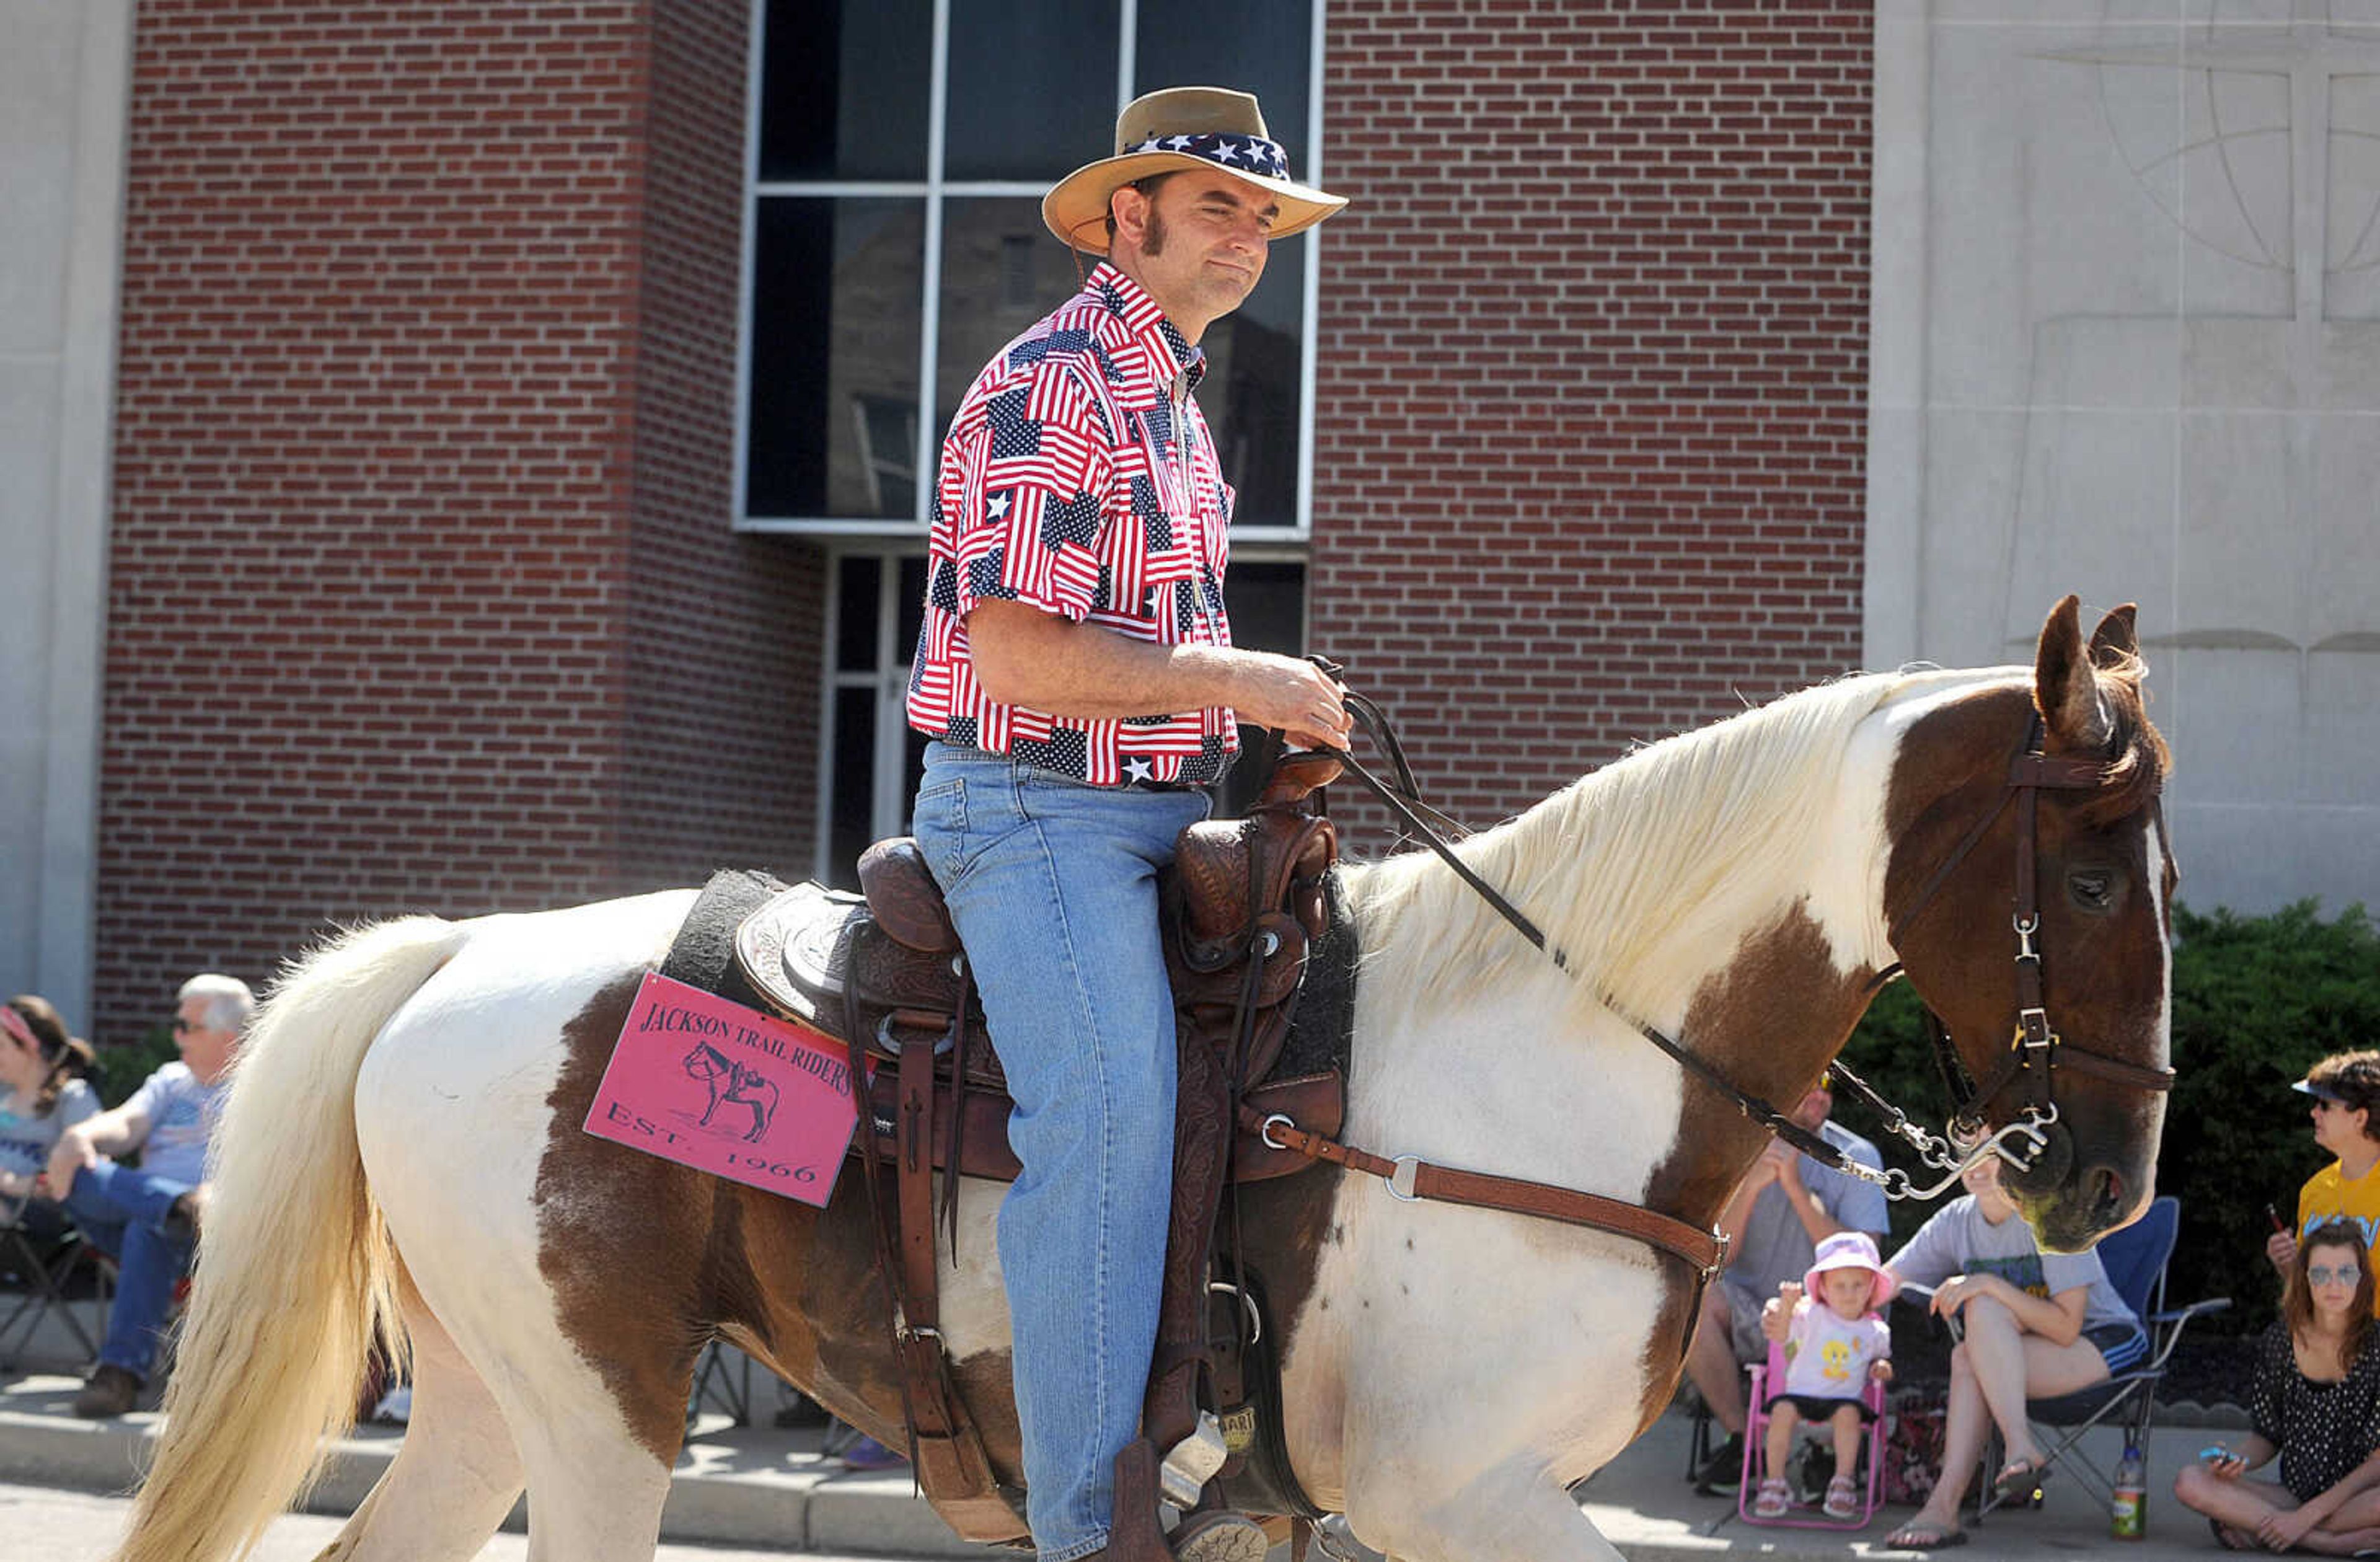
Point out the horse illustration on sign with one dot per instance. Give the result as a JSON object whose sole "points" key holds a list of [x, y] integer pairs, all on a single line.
{"points": [[744, 1087]]}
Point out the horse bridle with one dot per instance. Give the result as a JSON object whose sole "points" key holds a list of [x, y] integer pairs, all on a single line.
{"points": [[2036, 1048], [2034, 1051]]}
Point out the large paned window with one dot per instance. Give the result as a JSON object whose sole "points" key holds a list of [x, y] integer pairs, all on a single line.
{"points": [[870, 764], [900, 150]]}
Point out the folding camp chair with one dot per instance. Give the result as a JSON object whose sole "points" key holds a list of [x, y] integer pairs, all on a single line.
{"points": [[1803, 1515], [724, 1377], [43, 1266], [2135, 1259]]}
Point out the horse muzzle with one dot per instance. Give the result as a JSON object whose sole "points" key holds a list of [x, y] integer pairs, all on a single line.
{"points": [[2070, 1206]]}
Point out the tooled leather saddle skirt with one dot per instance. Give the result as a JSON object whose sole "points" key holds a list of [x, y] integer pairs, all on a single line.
{"points": [[1239, 909]]}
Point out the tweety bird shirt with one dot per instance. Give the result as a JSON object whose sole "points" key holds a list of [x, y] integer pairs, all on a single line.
{"points": [[1828, 1357]]}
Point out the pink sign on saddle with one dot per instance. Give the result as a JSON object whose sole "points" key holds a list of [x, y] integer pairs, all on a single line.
{"points": [[727, 1090]]}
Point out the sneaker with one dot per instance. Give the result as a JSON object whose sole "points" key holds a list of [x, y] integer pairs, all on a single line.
{"points": [[869, 1454], [1723, 1471], [1810, 1472], [802, 1411], [111, 1392]]}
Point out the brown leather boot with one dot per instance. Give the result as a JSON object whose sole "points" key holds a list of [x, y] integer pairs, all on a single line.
{"points": [[1219, 1535]]}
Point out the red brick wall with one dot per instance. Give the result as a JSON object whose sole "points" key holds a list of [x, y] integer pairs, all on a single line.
{"points": [[392, 503], [421, 590], [725, 657], [1593, 367]]}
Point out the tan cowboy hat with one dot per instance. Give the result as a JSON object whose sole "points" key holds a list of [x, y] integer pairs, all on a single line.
{"points": [[1183, 128]]}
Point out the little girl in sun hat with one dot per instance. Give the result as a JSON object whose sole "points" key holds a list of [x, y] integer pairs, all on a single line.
{"points": [[1835, 1340]]}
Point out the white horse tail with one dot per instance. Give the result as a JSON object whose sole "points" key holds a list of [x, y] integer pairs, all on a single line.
{"points": [[296, 1278]]}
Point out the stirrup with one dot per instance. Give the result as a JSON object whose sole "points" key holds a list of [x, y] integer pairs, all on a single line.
{"points": [[1191, 1463]]}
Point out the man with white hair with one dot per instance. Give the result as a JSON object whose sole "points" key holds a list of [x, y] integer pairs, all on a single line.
{"points": [[148, 1216]]}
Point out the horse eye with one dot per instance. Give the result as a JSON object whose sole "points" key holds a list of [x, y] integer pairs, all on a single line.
{"points": [[2090, 888]]}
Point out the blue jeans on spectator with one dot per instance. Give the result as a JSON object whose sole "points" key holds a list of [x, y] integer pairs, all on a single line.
{"points": [[122, 1211], [1053, 884]]}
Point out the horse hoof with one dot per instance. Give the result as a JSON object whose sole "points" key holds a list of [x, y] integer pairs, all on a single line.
{"points": [[1218, 1537]]}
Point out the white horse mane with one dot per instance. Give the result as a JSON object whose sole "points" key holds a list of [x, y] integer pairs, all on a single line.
{"points": [[1637, 857]]}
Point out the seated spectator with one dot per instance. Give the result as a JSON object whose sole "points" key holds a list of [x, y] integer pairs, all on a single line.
{"points": [[1834, 1343], [2316, 1403], [150, 1217], [1785, 1206], [2345, 1113], [42, 1093], [2033, 1326]]}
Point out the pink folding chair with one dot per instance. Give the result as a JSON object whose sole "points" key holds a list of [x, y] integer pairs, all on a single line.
{"points": [[1802, 1515]]}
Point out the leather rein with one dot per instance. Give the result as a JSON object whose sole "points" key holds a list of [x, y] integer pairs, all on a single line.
{"points": [[2034, 1051]]}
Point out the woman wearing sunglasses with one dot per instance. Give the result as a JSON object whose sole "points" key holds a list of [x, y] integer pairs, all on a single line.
{"points": [[2316, 1404]]}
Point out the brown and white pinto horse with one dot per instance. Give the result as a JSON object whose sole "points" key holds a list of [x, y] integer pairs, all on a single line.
{"points": [[401, 1152]]}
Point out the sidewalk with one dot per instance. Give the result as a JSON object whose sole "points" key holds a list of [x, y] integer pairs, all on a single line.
{"points": [[764, 1486]]}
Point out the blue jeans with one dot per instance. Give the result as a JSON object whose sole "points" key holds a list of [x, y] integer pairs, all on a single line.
{"points": [[122, 1211], [1053, 884]]}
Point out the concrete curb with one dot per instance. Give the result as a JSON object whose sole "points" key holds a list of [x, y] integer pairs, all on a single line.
{"points": [[746, 1486]]}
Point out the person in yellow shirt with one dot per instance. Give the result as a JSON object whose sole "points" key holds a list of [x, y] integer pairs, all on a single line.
{"points": [[2345, 1113]]}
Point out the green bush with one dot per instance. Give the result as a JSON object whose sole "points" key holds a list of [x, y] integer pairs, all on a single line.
{"points": [[1888, 1051], [2255, 1001], [121, 1068]]}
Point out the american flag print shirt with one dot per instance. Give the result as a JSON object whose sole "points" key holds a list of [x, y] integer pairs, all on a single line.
{"points": [[1076, 480]]}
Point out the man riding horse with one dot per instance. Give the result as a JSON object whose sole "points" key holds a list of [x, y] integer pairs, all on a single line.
{"points": [[1077, 676]]}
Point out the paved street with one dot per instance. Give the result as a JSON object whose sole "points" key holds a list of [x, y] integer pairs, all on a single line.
{"points": [[751, 1492], [76, 1527]]}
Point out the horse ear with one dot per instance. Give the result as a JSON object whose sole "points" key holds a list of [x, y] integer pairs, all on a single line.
{"points": [[2065, 689], [2116, 641]]}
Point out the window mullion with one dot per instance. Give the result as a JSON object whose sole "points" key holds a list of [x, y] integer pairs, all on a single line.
{"points": [[1127, 45], [754, 77], [1310, 368], [929, 333], [891, 713], [822, 848]]}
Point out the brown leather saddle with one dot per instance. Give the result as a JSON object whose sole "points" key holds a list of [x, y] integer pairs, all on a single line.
{"points": [[884, 972], [885, 967]]}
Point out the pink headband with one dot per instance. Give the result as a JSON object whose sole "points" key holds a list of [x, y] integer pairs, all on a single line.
{"points": [[14, 1023]]}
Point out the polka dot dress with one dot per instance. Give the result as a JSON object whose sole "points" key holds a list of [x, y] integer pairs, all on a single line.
{"points": [[2323, 1429]]}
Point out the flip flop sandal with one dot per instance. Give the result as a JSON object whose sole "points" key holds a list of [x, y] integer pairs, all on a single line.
{"points": [[1904, 1538], [2230, 1539], [2019, 1480], [1842, 1498], [1770, 1502]]}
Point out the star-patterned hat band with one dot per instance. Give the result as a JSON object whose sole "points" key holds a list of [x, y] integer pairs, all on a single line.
{"points": [[1240, 155], [1193, 128]]}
